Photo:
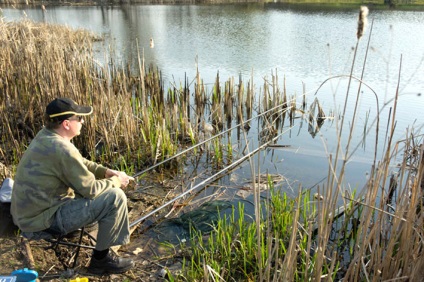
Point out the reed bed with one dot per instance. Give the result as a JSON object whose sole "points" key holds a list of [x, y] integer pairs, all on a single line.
{"points": [[136, 122], [377, 237]]}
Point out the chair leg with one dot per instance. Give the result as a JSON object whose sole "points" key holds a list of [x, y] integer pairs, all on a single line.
{"points": [[59, 241], [54, 245], [78, 248]]}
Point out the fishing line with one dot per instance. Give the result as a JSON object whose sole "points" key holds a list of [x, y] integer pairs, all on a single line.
{"points": [[211, 178], [209, 139]]}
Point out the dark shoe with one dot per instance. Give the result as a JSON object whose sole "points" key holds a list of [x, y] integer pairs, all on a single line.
{"points": [[111, 264]]}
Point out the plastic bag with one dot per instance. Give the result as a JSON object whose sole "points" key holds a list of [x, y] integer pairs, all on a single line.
{"points": [[6, 190]]}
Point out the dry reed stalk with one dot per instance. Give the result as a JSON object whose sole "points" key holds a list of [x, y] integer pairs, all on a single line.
{"points": [[187, 99], [293, 109], [217, 114], [249, 96], [199, 97], [276, 99], [362, 21], [390, 244], [266, 97], [333, 181], [240, 102], [228, 98], [141, 68], [290, 258]]}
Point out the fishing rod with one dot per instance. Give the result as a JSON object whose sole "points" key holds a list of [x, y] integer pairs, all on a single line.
{"points": [[204, 141], [211, 178]]}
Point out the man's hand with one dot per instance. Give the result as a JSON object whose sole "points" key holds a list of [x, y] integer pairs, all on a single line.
{"points": [[123, 177]]}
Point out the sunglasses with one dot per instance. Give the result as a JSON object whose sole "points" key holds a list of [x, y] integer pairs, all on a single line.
{"points": [[78, 118]]}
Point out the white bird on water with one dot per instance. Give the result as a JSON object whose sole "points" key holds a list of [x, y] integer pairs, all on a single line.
{"points": [[152, 43]]}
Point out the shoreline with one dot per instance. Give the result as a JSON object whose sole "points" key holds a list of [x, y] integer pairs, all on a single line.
{"points": [[378, 4]]}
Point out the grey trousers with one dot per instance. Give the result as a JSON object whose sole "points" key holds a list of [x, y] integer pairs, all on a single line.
{"points": [[109, 209]]}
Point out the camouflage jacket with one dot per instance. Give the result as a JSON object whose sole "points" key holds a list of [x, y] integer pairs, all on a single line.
{"points": [[51, 172]]}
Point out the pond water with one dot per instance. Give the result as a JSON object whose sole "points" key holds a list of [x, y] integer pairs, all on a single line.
{"points": [[305, 45]]}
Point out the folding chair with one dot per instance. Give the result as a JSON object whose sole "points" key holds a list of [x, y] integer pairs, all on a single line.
{"points": [[56, 240]]}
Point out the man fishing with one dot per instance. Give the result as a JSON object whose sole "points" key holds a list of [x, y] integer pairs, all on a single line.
{"points": [[58, 191]]}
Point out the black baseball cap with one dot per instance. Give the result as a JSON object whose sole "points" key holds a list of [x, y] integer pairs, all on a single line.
{"points": [[63, 108]]}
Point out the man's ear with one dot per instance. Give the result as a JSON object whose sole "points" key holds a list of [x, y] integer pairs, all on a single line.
{"points": [[65, 124]]}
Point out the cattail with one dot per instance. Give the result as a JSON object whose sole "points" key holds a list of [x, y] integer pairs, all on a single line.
{"points": [[362, 21]]}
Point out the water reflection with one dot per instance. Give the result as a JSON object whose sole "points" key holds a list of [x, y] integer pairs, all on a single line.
{"points": [[305, 43]]}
